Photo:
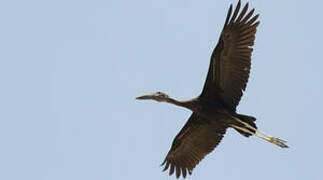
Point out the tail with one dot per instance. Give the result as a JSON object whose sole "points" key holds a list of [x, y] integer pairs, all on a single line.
{"points": [[248, 119]]}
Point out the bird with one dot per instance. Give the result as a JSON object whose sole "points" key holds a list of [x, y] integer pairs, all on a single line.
{"points": [[214, 110]]}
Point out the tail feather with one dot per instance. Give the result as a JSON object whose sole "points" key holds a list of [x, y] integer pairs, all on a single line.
{"points": [[248, 119]]}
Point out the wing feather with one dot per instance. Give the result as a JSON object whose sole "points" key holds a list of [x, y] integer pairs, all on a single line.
{"points": [[231, 59], [196, 139], [243, 12], [236, 11]]}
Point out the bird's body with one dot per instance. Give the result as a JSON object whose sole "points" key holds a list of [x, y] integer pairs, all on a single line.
{"points": [[208, 109], [214, 110]]}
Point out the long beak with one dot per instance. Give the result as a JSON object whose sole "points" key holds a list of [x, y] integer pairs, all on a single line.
{"points": [[144, 97]]}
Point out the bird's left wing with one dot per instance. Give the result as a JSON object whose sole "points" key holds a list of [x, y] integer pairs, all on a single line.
{"points": [[196, 139], [231, 59]]}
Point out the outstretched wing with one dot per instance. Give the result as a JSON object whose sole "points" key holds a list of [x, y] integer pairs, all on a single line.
{"points": [[196, 139], [231, 59]]}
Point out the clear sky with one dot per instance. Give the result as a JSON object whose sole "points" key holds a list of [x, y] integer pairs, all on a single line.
{"points": [[70, 72]]}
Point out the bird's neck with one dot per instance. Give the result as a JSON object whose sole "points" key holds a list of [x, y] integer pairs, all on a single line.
{"points": [[190, 104]]}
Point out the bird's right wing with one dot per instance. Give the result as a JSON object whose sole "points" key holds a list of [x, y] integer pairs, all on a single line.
{"points": [[196, 139], [231, 59]]}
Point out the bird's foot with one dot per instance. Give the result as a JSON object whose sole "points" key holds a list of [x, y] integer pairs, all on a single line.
{"points": [[279, 142]]}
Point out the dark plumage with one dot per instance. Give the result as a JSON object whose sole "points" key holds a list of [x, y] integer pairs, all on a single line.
{"points": [[215, 109]]}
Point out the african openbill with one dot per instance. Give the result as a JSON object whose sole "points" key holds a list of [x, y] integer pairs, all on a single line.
{"points": [[215, 109]]}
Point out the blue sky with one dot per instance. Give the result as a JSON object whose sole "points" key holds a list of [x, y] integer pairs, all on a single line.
{"points": [[70, 72]]}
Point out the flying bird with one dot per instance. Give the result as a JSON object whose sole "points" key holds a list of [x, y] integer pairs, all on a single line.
{"points": [[214, 110]]}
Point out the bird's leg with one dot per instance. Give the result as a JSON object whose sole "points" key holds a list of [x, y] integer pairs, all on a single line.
{"points": [[249, 132], [251, 127], [271, 139]]}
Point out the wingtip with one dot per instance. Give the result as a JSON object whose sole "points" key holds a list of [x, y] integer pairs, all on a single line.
{"points": [[190, 171], [236, 12], [166, 166], [228, 16], [172, 168], [239, 3], [230, 9], [247, 5], [256, 24], [184, 172], [178, 172], [162, 164]]}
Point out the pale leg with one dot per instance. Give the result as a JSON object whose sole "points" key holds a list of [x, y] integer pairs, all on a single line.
{"points": [[249, 132], [271, 139]]}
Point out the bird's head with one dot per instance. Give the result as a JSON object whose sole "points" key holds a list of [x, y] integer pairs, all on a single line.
{"points": [[158, 96]]}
